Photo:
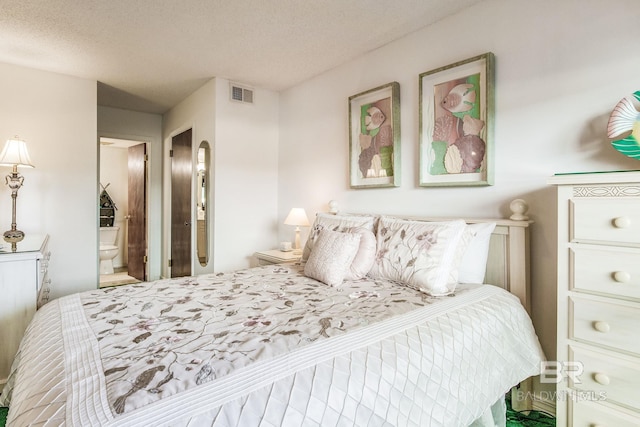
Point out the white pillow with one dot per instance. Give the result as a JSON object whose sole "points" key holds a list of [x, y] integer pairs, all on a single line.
{"points": [[365, 256], [332, 255], [325, 221], [474, 261], [424, 255]]}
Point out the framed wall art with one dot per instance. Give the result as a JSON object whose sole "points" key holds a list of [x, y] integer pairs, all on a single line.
{"points": [[374, 137], [456, 123]]}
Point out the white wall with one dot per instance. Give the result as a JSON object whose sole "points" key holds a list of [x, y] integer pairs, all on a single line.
{"points": [[56, 116], [561, 66], [244, 142], [246, 176], [132, 125]]}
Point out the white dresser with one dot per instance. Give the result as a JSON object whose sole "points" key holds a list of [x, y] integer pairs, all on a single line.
{"points": [[24, 287], [598, 299]]}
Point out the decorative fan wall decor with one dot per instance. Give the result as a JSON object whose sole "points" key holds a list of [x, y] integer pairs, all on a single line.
{"points": [[624, 126]]}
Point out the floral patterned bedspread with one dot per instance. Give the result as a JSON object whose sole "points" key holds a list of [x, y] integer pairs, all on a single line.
{"points": [[160, 339], [270, 347]]}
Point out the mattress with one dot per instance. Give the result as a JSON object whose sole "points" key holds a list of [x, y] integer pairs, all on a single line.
{"points": [[269, 346]]}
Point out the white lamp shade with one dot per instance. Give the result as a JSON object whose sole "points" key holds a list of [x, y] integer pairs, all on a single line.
{"points": [[15, 153], [297, 217]]}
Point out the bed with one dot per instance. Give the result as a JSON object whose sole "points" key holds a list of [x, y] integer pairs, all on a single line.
{"points": [[308, 343]]}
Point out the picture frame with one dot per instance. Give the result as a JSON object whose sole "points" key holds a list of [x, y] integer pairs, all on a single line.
{"points": [[456, 110], [374, 137]]}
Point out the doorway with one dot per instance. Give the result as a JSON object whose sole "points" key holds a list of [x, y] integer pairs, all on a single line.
{"points": [[123, 181]]}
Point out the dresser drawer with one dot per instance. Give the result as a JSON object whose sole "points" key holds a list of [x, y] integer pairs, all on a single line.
{"points": [[606, 269], [615, 379], [605, 220], [614, 324], [587, 413]]}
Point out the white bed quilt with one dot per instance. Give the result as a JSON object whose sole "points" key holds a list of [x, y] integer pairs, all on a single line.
{"points": [[270, 347]]}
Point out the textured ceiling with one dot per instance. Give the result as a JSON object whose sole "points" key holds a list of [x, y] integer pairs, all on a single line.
{"points": [[148, 55]]}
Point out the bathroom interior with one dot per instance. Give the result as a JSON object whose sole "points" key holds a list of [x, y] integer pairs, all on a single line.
{"points": [[113, 210]]}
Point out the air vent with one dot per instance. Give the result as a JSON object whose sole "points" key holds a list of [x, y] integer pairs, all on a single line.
{"points": [[241, 94]]}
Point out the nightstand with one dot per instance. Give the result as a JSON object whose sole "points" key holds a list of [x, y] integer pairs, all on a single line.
{"points": [[276, 256], [24, 286]]}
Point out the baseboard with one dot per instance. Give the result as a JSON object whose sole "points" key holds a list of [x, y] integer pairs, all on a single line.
{"points": [[545, 405]]}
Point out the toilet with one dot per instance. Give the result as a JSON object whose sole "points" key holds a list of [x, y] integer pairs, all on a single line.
{"points": [[108, 248]]}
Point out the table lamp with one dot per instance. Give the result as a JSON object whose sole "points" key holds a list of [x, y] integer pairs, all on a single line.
{"points": [[14, 154], [297, 217]]}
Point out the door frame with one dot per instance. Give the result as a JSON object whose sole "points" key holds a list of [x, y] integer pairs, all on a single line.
{"points": [[130, 141], [196, 137]]}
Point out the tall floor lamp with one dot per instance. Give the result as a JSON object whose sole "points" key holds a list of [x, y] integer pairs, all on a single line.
{"points": [[14, 154], [297, 217]]}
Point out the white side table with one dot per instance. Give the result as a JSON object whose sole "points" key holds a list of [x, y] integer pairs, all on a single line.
{"points": [[276, 256], [24, 287]]}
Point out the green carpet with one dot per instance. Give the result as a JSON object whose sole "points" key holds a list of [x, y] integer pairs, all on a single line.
{"points": [[528, 418], [3, 416]]}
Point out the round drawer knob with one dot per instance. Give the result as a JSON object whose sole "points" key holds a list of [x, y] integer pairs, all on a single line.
{"points": [[622, 222], [601, 379], [622, 277], [601, 326]]}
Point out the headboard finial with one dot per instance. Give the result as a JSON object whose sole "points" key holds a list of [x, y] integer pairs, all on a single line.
{"points": [[519, 208], [333, 207]]}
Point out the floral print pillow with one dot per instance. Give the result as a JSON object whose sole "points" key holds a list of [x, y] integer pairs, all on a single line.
{"points": [[423, 255]]}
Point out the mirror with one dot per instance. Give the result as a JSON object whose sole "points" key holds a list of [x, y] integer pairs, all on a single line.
{"points": [[201, 203]]}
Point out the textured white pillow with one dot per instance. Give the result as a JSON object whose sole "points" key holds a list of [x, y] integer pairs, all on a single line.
{"points": [[365, 256], [332, 255], [325, 221], [474, 261], [424, 255]]}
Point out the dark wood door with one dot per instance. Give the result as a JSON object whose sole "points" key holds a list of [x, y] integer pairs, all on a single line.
{"points": [[181, 174], [137, 226]]}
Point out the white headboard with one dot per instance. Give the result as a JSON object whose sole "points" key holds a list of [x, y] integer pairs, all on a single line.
{"points": [[508, 265]]}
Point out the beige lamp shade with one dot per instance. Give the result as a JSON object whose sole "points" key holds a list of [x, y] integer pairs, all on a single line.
{"points": [[15, 153], [298, 217]]}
